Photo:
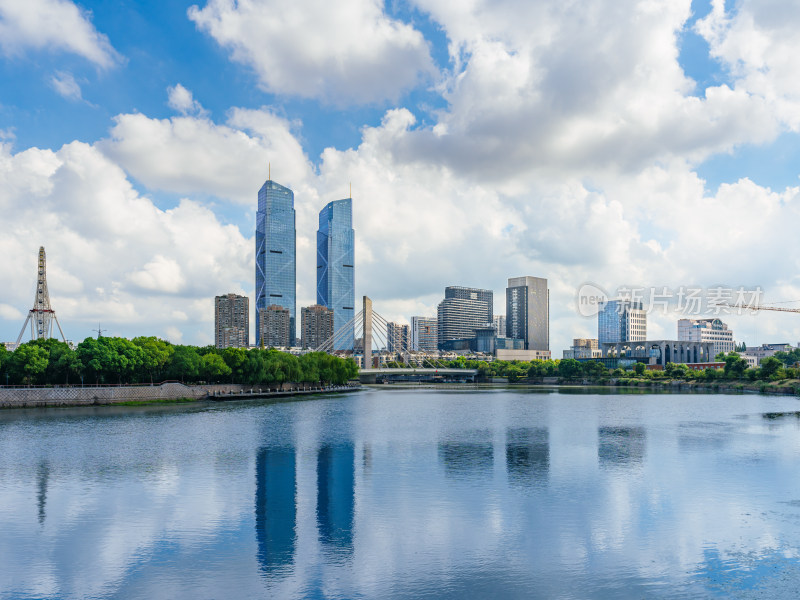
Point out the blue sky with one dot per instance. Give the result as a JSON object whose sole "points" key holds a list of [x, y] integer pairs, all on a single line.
{"points": [[483, 141]]}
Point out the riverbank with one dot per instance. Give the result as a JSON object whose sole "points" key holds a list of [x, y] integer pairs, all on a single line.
{"points": [[140, 395], [788, 387]]}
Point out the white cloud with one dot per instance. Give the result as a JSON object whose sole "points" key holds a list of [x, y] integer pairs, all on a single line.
{"points": [[54, 24], [757, 41], [64, 83], [181, 99], [113, 256], [9, 312], [340, 52], [193, 155]]}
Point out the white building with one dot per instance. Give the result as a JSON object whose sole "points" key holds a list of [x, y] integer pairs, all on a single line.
{"points": [[707, 330]]}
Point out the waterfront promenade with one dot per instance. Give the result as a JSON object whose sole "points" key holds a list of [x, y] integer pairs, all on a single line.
{"points": [[26, 397]]}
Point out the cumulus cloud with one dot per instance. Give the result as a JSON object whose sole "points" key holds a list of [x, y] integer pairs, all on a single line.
{"points": [[55, 24], [113, 256], [566, 88], [64, 83], [182, 100], [191, 154], [757, 43], [340, 52]]}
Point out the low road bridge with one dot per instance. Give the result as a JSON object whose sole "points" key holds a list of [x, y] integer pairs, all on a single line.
{"points": [[373, 375]]}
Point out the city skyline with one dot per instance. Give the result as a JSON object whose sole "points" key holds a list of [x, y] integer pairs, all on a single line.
{"points": [[140, 179]]}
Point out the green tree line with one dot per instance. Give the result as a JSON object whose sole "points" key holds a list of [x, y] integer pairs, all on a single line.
{"points": [[736, 368], [114, 360]]}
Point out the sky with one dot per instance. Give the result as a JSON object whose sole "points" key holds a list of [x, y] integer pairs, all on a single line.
{"points": [[628, 144]]}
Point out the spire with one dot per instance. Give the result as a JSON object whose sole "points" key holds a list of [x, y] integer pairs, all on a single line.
{"points": [[269, 171], [351, 190]]}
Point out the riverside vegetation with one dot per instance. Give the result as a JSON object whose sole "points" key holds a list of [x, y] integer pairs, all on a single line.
{"points": [[113, 360], [774, 372]]}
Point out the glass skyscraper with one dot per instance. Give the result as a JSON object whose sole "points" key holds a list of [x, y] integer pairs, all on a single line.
{"points": [[276, 270], [335, 260], [621, 320]]}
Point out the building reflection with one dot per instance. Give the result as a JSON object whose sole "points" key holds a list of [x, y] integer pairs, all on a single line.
{"points": [[336, 496], [527, 454], [276, 507], [42, 479], [471, 457], [621, 446]]}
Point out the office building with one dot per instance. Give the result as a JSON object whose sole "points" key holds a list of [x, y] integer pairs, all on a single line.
{"points": [[499, 322], [276, 270], [423, 334], [316, 325], [231, 321], [485, 340], [584, 348], [707, 330], [335, 266], [458, 318], [397, 338], [467, 293], [275, 324], [621, 321], [528, 312]]}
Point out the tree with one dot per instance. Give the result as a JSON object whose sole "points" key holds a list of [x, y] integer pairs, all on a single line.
{"points": [[212, 367], [735, 365], [236, 359], [569, 368], [771, 368], [184, 364], [155, 354], [639, 368], [28, 362]]}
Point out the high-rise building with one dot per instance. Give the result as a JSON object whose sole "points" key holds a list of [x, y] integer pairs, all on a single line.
{"points": [[231, 321], [397, 338], [706, 330], [499, 322], [316, 325], [467, 293], [275, 326], [276, 267], [423, 334], [528, 312], [621, 320], [335, 266], [458, 318]]}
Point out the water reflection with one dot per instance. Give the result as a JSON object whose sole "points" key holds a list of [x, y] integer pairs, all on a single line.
{"points": [[472, 456], [336, 496], [42, 478], [276, 507], [620, 446], [527, 454], [438, 496]]}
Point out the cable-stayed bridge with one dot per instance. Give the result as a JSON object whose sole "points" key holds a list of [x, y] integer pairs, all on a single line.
{"points": [[374, 330]]}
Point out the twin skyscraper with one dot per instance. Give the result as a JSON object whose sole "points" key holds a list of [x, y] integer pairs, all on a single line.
{"points": [[276, 261]]}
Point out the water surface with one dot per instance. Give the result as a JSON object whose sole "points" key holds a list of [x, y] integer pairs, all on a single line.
{"points": [[397, 493]]}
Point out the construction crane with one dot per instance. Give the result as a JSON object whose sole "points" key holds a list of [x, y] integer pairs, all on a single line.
{"points": [[759, 307]]}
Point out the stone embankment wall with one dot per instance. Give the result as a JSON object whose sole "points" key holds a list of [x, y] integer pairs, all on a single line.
{"points": [[78, 396]]}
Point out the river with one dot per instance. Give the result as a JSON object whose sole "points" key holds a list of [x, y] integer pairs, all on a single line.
{"points": [[408, 494]]}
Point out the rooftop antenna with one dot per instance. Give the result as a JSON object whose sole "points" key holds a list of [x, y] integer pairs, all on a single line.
{"points": [[269, 171], [351, 190], [41, 316]]}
